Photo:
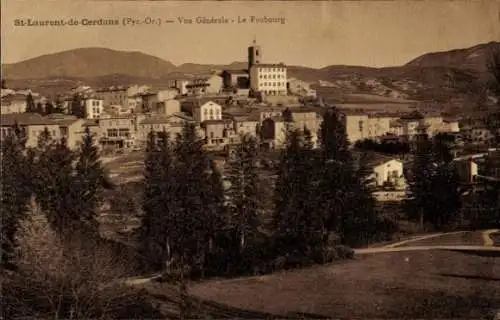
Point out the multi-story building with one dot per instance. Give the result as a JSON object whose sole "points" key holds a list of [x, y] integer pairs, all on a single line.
{"points": [[32, 125], [93, 107], [218, 132], [172, 124], [235, 79], [363, 125], [202, 109], [113, 96], [15, 103], [268, 79], [118, 131], [211, 84], [71, 128]]}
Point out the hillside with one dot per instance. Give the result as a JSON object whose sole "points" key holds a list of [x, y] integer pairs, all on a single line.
{"points": [[454, 77], [88, 62], [473, 58]]}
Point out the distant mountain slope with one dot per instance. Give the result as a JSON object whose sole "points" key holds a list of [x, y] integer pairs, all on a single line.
{"points": [[88, 62], [473, 58], [444, 77]]}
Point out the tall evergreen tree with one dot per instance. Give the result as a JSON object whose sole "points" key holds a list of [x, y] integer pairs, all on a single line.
{"points": [[243, 193], [90, 182], [54, 181], [39, 108], [294, 219], [344, 198], [14, 192], [159, 200], [191, 218], [49, 108], [30, 104], [77, 106], [434, 195]]}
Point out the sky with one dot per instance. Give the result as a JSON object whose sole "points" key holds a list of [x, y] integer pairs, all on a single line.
{"points": [[315, 33]]}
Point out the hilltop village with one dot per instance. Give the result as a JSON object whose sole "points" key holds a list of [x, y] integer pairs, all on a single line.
{"points": [[224, 105]]}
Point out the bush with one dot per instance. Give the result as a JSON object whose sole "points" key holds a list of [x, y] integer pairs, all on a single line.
{"points": [[81, 279], [344, 252]]}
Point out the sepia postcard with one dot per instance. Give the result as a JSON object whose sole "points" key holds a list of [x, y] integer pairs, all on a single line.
{"points": [[250, 159]]}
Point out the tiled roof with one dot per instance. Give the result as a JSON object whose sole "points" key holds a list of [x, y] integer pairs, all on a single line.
{"points": [[25, 119], [161, 119], [221, 121], [271, 65]]}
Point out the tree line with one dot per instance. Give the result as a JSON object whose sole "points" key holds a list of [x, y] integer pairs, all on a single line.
{"points": [[201, 220]]}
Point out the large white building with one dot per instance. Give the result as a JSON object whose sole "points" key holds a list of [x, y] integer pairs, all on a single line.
{"points": [[269, 79], [93, 107]]}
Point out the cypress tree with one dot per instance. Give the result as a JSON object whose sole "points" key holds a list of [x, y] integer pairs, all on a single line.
{"points": [[14, 192]]}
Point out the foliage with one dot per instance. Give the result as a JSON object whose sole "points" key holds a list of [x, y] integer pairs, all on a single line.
{"points": [[81, 283], [434, 195], [393, 147], [158, 200], [294, 220], [243, 194], [14, 191], [30, 104]]}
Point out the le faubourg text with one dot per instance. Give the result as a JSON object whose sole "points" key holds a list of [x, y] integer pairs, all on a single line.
{"points": [[145, 21]]}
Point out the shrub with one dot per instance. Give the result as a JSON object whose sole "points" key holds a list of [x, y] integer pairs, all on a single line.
{"points": [[344, 252], [81, 279]]}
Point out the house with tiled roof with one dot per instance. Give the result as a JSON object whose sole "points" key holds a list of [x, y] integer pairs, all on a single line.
{"points": [[32, 124], [171, 124]]}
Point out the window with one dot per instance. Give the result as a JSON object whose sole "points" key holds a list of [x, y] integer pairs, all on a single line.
{"points": [[211, 111], [211, 134], [206, 112]]}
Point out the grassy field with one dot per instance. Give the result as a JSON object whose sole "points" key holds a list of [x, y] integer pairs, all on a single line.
{"points": [[437, 284], [472, 238]]}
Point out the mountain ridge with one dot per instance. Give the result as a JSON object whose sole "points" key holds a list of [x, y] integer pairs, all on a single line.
{"points": [[445, 77]]}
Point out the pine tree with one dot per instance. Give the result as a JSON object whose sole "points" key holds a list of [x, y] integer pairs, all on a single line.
{"points": [[359, 224], [14, 192], [30, 104], [217, 208], [336, 175], [244, 203], [151, 205], [294, 220], [419, 179], [89, 183], [76, 106], [39, 108], [54, 183], [49, 108], [433, 184], [192, 220]]}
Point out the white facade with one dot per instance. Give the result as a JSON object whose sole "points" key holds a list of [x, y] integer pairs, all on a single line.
{"points": [[269, 79], [93, 108], [388, 171], [208, 111]]}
